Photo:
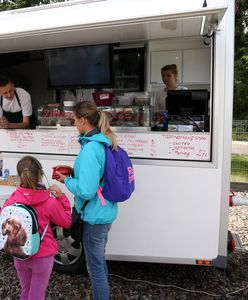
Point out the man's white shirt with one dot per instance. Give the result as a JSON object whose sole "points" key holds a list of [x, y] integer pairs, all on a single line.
{"points": [[13, 106]]}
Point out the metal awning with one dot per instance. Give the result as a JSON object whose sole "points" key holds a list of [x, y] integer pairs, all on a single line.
{"points": [[105, 21]]}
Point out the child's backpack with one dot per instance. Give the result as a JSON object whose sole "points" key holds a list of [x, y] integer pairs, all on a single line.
{"points": [[19, 234], [118, 176]]}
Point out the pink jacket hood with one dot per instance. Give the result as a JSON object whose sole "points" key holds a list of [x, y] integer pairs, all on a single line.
{"points": [[30, 197]]}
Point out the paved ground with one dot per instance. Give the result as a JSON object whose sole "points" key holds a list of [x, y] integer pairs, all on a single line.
{"points": [[240, 148], [239, 186]]}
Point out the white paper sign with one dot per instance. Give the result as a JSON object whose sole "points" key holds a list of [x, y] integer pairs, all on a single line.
{"points": [[166, 145], [158, 145]]}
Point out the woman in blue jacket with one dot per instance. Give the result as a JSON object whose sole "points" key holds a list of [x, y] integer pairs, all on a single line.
{"points": [[95, 132]]}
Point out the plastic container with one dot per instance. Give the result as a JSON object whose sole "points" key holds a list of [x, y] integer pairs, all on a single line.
{"points": [[146, 116], [165, 120], [68, 112], [5, 174], [122, 116], [103, 98], [125, 100], [142, 99], [160, 121], [68, 103]]}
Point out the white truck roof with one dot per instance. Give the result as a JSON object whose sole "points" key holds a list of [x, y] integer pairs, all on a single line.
{"points": [[103, 21]]}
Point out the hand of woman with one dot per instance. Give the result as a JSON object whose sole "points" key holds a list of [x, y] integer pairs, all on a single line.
{"points": [[61, 177], [55, 190]]}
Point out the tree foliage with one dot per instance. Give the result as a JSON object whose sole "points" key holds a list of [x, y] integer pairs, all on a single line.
{"points": [[8, 4], [240, 108]]}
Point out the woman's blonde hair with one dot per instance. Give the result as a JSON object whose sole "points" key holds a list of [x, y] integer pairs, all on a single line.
{"points": [[99, 119], [30, 172]]}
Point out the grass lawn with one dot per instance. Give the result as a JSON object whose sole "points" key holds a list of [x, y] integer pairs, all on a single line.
{"points": [[239, 172], [240, 136]]}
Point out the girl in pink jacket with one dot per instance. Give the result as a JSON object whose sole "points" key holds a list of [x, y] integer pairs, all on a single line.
{"points": [[34, 273]]}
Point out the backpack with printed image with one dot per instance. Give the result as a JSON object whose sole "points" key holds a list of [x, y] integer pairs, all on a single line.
{"points": [[118, 176], [19, 234]]}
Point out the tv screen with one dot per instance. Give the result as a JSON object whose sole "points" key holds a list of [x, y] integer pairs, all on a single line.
{"points": [[80, 67], [187, 102]]}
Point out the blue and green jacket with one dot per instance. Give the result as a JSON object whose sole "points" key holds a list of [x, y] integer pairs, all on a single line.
{"points": [[88, 170]]}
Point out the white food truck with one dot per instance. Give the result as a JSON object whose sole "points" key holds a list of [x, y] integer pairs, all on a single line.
{"points": [[179, 210]]}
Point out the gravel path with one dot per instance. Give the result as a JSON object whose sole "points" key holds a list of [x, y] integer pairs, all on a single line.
{"points": [[169, 281]]}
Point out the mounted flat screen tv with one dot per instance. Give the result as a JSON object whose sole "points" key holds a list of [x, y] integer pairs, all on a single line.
{"points": [[80, 67], [187, 102]]}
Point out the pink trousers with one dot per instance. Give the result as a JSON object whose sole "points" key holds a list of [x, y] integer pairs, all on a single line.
{"points": [[34, 275]]}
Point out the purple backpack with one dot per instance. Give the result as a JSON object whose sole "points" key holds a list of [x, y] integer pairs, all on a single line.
{"points": [[118, 176]]}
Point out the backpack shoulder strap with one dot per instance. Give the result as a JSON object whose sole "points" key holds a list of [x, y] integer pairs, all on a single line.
{"points": [[100, 196], [44, 232], [83, 207]]}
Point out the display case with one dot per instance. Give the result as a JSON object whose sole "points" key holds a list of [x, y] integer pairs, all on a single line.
{"points": [[54, 115], [161, 121], [131, 116], [128, 116]]}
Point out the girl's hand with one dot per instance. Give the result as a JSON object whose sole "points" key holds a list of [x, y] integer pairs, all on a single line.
{"points": [[55, 190]]}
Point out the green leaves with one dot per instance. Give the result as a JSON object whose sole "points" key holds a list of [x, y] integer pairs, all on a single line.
{"points": [[240, 107], [8, 4]]}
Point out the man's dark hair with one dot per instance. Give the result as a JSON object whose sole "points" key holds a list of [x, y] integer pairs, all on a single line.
{"points": [[172, 68], [4, 80]]}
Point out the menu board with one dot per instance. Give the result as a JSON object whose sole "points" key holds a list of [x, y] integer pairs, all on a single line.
{"points": [[32, 141], [166, 145], [152, 145]]}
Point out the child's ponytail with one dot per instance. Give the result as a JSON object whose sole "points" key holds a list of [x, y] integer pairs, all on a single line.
{"points": [[30, 172]]}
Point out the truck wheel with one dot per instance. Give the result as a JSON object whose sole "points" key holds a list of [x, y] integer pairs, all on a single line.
{"points": [[70, 256]]}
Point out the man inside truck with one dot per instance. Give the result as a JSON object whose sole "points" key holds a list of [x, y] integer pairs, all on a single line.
{"points": [[15, 106], [169, 75]]}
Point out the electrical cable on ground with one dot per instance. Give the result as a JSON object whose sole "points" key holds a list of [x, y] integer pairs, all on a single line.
{"points": [[181, 288], [178, 287], [6, 271], [164, 285]]}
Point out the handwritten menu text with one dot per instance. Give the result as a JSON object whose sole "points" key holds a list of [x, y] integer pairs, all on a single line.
{"points": [[156, 145]]}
